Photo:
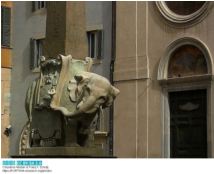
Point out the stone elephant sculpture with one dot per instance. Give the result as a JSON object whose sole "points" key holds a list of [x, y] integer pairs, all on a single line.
{"points": [[91, 91], [64, 103]]}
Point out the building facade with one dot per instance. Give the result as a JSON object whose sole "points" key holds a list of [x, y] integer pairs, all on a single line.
{"points": [[158, 54], [164, 70]]}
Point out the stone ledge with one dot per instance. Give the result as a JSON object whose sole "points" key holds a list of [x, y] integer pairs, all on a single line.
{"points": [[100, 133], [65, 151]]}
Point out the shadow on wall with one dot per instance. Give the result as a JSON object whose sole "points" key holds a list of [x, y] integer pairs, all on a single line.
{"points": [[28, 11], [26, 71]]}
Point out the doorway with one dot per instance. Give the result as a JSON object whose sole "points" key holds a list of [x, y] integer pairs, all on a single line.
{"points": [[188, 124]]}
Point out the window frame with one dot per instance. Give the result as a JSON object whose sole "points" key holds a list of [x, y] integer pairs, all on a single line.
{"points": [[37, 5], [6, 43], [98, 44], [37, 49], [185, 83]]}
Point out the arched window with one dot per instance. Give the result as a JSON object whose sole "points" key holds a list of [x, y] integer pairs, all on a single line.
{"points": [[187, 60], [185, 57]]}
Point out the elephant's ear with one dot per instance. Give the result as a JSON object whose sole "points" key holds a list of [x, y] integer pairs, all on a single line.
{"points": [[72, 96], [81, 79]]}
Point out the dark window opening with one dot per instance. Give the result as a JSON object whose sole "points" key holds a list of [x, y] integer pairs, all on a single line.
{"points": [[36, 52], [184, 7], [37, 5], [95, 40], [5, 26], [188, 124]]}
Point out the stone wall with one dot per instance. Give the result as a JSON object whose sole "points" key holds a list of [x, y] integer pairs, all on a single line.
{"points": [[142, 37]]}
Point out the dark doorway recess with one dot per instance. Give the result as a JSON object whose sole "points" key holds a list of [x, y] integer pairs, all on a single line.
{"points": [[188, 124]]}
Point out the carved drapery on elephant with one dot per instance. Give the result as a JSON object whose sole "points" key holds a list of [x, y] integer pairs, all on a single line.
{"points": [[64, 103]]}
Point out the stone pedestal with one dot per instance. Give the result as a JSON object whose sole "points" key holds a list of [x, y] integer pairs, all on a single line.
{"points": [[101, 139], [65, 152]]}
